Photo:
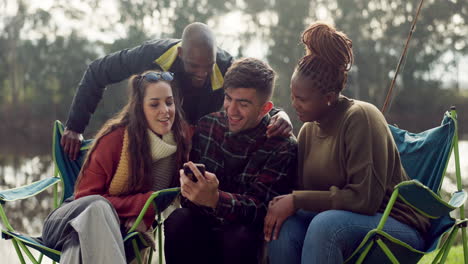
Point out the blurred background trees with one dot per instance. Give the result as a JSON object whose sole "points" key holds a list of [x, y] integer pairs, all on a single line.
{"points": [[43, 59]]}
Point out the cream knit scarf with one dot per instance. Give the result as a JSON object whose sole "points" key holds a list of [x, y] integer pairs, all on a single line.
{"points": [[159, 147]]}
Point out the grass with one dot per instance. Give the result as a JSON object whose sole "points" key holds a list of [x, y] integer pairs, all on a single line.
{"points": [[455, 256]]}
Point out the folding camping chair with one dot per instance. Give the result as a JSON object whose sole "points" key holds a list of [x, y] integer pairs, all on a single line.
{"points": [[425, 157], [66, 172]]}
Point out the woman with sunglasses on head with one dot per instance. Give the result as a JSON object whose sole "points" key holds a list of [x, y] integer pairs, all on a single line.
{"points": [[348, 164], [134, 154]]}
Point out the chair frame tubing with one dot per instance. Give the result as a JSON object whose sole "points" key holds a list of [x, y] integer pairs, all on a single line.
{"points": [[453, 114], [380, 226], [387, 251], [22, 248], [18, 244], [446, 246]]}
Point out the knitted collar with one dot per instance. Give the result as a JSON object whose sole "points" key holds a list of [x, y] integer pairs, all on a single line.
{"points": [[159, 147]]}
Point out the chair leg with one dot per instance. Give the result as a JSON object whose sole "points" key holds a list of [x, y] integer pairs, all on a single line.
{"points": [[160, 239], [364, 253], [27, 252], [439, 254], [456, 153], [449, 244], [465, 245], [150, 257], [137, 251], [18, 251], [387, 251]]}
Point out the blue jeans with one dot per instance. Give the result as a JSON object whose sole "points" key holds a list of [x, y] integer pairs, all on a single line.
{"points": [[331, 236]]}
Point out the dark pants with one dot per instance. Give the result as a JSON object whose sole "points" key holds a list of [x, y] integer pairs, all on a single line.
{"points": [[193, 238]]}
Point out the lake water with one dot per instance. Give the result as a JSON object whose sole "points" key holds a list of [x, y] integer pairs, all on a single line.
{"points": [[29, 214]]}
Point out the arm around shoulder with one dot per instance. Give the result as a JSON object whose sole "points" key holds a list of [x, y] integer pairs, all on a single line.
{"points": [[101, 72]]}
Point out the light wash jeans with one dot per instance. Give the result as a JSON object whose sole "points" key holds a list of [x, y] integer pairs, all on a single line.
{"points": [[331, 236]]}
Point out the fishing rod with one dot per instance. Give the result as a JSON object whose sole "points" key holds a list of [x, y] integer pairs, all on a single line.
{"points": [[402, 57]]}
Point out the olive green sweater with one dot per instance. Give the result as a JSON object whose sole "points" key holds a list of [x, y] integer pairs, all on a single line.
{"points": [[349, 161]]}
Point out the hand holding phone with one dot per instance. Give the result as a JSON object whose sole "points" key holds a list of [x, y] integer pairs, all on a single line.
{"points": [[190, 174]]}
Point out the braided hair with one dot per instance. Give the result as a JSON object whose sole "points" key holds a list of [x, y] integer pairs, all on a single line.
{"points": [[328, 58]]}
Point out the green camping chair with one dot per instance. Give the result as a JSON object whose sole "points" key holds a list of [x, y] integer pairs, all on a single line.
{"points": [[66, 173], [425, 157]]}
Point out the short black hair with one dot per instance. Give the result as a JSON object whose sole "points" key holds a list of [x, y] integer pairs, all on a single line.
{"points": [[251, 73]]}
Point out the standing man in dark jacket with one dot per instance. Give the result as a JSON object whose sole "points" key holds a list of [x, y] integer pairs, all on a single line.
{"points": [[198, 68]]}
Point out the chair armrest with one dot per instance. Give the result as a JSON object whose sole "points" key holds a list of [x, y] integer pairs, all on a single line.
{"points": [[160, 200], [27, 191], [425, 201], [458, 198]]}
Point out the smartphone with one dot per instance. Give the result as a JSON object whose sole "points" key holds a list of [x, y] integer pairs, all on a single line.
{"points": [[189, 173]]}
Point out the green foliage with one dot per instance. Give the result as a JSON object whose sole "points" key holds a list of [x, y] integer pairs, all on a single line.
{"points": [[39, 75], [455, 256], [171, 16], [379, 30], [285, 50]]}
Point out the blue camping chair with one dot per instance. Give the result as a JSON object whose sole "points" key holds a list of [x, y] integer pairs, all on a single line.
{"points": [[66, 173], [425, 157]]}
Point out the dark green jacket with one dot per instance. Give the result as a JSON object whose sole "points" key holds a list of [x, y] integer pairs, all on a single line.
{"points": [[158, 54]]}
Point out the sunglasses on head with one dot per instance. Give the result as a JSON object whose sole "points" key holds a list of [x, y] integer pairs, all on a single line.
{"points": [[156, 76]]}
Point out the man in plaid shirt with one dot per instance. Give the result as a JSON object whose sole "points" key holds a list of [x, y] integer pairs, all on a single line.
{"points": [[223, 213]]}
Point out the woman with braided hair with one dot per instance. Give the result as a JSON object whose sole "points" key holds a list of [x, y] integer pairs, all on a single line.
{"points": [[348, 165]]}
